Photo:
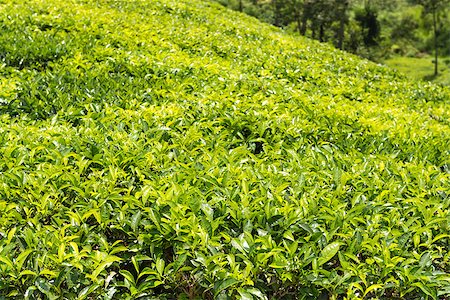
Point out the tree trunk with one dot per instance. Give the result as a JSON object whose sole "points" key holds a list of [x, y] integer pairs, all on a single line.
{"points": [[276, 17], [298, 19], [435, 41], [304, 18], [341, 31], [299, 24], [241, 6], [321, 33]]}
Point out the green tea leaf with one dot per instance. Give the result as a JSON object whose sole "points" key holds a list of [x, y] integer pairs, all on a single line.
{"points": [[372, 288], [135, 219], [105, 263], [224, 284], [22, 258], [427, 290], [7, 261], [328, 252], [160, 263]]}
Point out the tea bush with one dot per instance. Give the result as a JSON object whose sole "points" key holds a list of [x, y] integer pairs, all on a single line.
{"points": [[173, 149]]}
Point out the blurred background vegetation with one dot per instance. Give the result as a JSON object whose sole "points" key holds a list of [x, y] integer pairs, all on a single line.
{"points": [[412, 36]]}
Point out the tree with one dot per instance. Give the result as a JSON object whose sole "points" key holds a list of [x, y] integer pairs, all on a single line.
{"points": [[342, 20], [433, 7], [368, 20], [283, 11], [320, 15], [277, 12], [296, 10], [306, 12]]}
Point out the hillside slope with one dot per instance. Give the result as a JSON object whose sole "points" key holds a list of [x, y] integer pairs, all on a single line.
{"points": [[175, 149]]}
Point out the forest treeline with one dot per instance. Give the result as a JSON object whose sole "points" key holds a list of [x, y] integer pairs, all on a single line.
{"points": [[373, 29]]}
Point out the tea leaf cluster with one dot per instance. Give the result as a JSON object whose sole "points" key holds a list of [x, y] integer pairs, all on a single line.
{"points": [[175, 149]]}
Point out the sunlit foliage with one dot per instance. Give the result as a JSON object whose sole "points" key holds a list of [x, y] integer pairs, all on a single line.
{"points": [[175, 149]]}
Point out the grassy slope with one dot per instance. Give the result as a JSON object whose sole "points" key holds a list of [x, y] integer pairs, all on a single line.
{"points": [[421, 68], [208, 154]]}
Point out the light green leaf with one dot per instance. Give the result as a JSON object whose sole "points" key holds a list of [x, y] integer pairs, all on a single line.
{"points": [[372, 288], [426, 289], [244, 295], [128, 276], [257, 293], [224, 284], [328, 252], [45, 288], [27, 273], [87, 291], [135, 219], [10, 236], [342, 260], [21, 259], [6, 261], [160, 263], [440, 236], [106, 262]]}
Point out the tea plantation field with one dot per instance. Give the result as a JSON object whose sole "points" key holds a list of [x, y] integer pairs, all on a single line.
{"points": [[172, 149]]}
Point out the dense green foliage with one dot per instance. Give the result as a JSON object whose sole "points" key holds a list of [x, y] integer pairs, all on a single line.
{"points": [[421, 68], [375, 29], [173, 148]]}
